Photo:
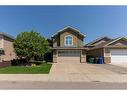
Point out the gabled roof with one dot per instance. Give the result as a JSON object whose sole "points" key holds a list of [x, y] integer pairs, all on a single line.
{"points": [[125, 38], [66, 28], [102, 45], [7, 35], [98, 39]]}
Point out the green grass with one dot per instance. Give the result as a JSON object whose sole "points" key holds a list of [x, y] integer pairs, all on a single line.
{"points": [[42, 69]]}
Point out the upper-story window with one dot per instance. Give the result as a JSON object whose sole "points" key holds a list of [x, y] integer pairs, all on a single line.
{"points": [[68, 40]]}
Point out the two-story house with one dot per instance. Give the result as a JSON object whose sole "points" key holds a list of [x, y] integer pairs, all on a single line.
{"points": [[68, 46]]}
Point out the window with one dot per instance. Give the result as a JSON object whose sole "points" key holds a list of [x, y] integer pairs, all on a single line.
{"points": [[68, 40]]}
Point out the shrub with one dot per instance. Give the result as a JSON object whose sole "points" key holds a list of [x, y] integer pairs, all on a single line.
{"points": [[17, 62]]}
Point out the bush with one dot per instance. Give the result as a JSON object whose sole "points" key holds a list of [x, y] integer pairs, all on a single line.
{"points": [[17, 62], [23, 62], [48, 57]]}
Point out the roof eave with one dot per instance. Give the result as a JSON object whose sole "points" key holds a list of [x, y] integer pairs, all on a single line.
{"points": [[89, 44], [55, 48], [67, 28], [7, 35], [115, 46]]}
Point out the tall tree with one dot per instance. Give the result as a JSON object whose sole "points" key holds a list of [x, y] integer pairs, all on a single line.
{"points": [[29, 44]]}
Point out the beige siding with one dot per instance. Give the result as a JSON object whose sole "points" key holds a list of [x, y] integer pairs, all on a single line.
{"points": [[83, 56], [62, 38], [107, 52], [56, 41], [80, 41], [8, 49], [77, 41]]}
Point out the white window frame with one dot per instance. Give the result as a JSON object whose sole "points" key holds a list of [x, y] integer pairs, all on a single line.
{"points": [[65, 40]]}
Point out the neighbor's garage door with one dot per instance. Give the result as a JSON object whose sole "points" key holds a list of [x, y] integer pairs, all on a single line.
{"points": [[118, 55], [68, 56]]}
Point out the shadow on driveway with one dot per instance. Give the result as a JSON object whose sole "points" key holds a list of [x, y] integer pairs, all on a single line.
{"points": [[113, 68]]}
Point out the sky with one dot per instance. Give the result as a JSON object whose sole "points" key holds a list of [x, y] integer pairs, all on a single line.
{"points": [[92, 21]]}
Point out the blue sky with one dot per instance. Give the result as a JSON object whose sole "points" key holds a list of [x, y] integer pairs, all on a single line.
{"points": [[93, 21]]}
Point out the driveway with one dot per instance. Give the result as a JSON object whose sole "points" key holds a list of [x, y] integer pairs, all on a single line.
{"points": [[114, 68], [83, 72], [120, 64]]}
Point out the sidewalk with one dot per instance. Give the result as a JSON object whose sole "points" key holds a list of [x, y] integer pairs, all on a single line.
{"points": [[24, 77]]}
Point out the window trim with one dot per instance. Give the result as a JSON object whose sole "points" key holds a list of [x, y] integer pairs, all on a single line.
{"points": [[65, 40]]}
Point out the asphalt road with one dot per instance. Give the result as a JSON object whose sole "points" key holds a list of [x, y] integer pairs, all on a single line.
{"points": [[61, 85]]}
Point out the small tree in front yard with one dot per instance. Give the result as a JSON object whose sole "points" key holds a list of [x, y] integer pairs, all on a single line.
{"points": [[29, 44]]}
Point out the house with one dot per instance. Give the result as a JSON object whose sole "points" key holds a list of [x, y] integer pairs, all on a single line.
{"points": [[113, 50], [6, 47], [68, 46]]}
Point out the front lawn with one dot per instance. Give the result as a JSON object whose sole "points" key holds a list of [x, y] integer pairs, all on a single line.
{"points": [[42, 69]]}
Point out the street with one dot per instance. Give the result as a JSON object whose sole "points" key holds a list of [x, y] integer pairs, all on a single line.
{"points": [[12, 85]]}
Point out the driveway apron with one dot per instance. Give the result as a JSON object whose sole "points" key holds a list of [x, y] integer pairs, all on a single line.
{"points": [[83, 72]]}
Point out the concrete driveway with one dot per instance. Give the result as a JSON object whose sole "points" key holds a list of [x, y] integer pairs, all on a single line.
{"points": [[120, 64], [83, 72]]}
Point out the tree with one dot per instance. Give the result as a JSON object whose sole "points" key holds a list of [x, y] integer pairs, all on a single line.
{"points": [[29, 44]]}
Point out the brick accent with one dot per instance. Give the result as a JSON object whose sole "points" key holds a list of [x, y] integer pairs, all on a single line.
{"points": [[83, 59], [5, 64], [83, 56], [107, 59], [55, 56]]}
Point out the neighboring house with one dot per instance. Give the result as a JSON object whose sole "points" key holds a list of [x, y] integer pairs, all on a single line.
{"points": [[68, 46], [6, 47], [113, 50]]}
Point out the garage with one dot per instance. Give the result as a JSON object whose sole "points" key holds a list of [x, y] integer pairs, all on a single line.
{"points": [[69, 56], [118, 55]]}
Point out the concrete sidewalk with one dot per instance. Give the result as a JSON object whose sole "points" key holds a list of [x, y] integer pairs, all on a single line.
{"points": [[24, 77], [62, 86], [70, 73]]}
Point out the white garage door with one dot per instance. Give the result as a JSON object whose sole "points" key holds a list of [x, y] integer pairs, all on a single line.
{"points": [[68, 56], [118, 55]]}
